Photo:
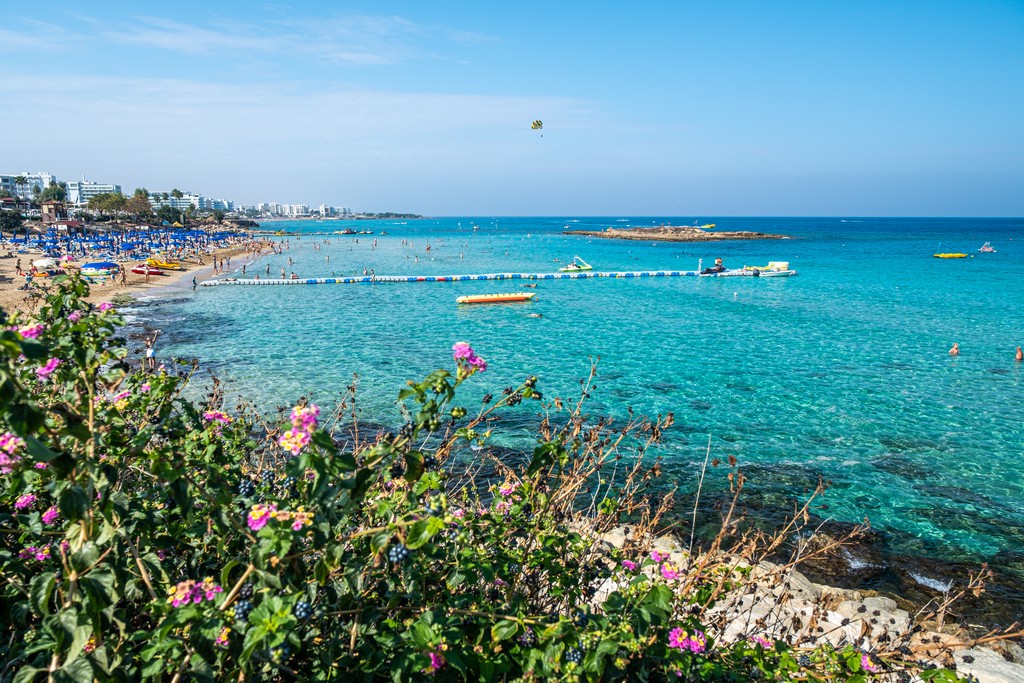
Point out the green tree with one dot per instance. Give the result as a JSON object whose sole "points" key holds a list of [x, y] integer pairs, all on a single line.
{"points": [[55, 192], [10, 221], [177, 194], [141, 192], [107, 202], [19, 181], [218, 215], [168, 213], [139, 205]]}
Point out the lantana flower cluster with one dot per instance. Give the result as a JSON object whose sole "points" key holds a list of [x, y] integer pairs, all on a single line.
{"points": [[681, 639], [467, 360], [190, 591], [261, 513], [303, 423], [47, 369], [10, 447]]}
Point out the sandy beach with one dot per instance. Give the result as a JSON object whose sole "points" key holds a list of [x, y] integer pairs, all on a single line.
{"points": [[14, 297]]}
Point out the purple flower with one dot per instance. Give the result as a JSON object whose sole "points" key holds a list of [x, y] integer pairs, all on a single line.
{"points": [[259, 515], [25, 501], [32, 552], [462, 350], [216, 416], [47, 369], [506, 490], [32, 331], [436, 661], [51, 515], [658, 557], [144, 388], [682, 640], [74, 316], [631, 566], [762, 642], [670, 571], [106, 306], [467, 360], [867, 664]]}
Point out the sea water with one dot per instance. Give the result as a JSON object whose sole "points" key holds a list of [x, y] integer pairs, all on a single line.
{"points": [[841, 372]]}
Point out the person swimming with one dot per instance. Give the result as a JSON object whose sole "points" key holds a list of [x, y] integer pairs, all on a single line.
{"points": [[955, 351], [1020, 355]]}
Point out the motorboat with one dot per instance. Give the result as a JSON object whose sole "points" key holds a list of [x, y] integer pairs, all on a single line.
{"points": [[773, 269], [987, 248], [577, 264], [730, 272], [496, 298]]}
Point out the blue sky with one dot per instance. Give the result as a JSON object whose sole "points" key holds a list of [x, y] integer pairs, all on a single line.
{"points": [[655, 108]]}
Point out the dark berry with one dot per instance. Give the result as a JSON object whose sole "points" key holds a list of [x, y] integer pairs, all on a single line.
{"points": [[267, 477], [574, 655], [245, 592], [303, 610], [429, 462], [803, 660], [246, 488], [397, 469], [580, 619], [242, 609], [398, 553], [528, 639]]}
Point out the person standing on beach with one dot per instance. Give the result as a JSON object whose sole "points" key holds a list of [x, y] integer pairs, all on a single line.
{"points": [[955, 351], [194, 283]]}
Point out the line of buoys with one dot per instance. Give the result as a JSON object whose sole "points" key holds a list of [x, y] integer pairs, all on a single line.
{"points": [[367, 279]]}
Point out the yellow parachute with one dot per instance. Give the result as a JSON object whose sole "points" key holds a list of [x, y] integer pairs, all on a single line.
{"points": [[537, 125]]}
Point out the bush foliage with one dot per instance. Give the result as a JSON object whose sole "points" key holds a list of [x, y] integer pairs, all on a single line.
{"points": [[150, 536]]}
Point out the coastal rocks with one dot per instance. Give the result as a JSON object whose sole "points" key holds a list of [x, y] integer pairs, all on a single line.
{"points": [[668, 233], [987, 666], [830, 557]]}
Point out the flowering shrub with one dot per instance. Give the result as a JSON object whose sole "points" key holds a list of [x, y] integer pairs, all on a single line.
{"points": [[146, 537]]}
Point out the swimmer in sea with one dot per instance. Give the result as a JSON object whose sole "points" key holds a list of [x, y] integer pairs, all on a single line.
{"points": [[1020, 355], [955, 351], [536, 315]]}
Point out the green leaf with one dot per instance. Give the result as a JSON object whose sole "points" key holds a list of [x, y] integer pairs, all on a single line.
{"points": [[422, 531], [504, 629], [41, 590]]}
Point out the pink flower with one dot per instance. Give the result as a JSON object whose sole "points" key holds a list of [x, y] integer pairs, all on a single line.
{"points": [[259, 515], [631, 566], [436, 661], [9, 447], [304, 417], [106, 306], [467, 360], [51, 515], [762, 642], [867, 664], [458, 513], [32, 331], [506, 490], [294, 440], [144, 388], [121, 396], [47, 369], [74, 316], [222, 639], [462, 350], [682, 640], [216, 416], [35, 553], [25, 501], [658, 557], [191, 591], [670, 571]]}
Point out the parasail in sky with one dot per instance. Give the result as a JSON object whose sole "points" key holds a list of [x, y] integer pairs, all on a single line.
{"points": [[537, 125]]}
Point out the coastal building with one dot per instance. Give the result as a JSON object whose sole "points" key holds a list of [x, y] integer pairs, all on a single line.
{"points": [[52, 211], [80, 192], [26, 189], [186, 200]]}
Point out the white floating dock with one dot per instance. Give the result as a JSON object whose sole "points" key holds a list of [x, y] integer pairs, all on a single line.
{"points": [[367, 279]]}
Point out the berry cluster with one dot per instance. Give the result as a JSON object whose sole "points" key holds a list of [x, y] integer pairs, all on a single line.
{"points": [[303, 610], [580, 619], [245, 592], [398, 553], [267, 477], [574, 655], [528, 639], [246, 488], [242, 609], [429, 462]]}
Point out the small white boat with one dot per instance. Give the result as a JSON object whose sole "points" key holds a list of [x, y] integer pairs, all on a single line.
{"points": [[773, 269], [987, 248], [577, 264]]}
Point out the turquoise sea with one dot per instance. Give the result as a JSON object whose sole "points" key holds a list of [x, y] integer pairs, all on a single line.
{"points": [[840, 372]]}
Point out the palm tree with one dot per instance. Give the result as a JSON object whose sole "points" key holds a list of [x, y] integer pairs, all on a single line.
{"points": [[20, 181]]}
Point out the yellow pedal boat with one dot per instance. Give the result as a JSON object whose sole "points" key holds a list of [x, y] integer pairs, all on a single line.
{"points": [[165, 265]]}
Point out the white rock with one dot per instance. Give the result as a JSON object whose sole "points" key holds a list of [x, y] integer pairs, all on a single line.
{"points": [[988, 666]]}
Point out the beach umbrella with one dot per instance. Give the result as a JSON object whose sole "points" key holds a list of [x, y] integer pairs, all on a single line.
{"points": [[44, 263]]}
